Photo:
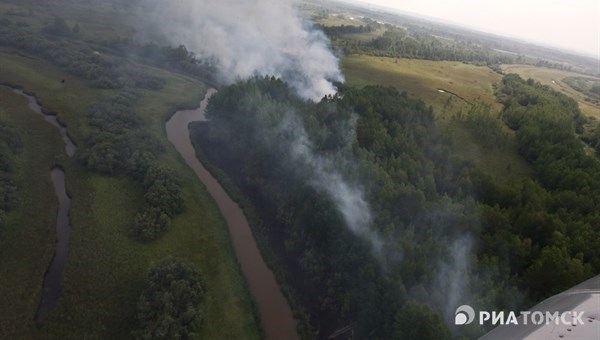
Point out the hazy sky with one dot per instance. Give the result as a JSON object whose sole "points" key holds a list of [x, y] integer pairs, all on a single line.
{"points": [[571, 24]]}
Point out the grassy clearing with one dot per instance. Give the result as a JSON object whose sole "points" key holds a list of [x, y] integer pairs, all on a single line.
{"points": [[27, 239], [106, 269], [422, 79], [555, 79]]}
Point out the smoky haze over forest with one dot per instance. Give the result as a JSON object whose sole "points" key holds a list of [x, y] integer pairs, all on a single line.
{"points": [[248, 38], [267, 37]]}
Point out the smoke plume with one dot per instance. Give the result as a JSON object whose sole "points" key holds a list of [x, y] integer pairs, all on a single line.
{"points": [[454, 275], [325, 177], [248, 38]]}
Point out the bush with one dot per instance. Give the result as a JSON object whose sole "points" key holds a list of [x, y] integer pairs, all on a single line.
{"points": [[150, 224]]}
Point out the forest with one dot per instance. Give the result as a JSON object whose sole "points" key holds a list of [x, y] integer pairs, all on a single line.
{"points": [[530, 239]]}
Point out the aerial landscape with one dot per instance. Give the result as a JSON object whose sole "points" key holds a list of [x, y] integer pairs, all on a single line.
{"points": [[299, 169]]}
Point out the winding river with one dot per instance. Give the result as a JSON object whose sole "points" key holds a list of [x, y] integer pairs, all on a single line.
{"points": [[51, 287], [276, 315], [33, 104]]}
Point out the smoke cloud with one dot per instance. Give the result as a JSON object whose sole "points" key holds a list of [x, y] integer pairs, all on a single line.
{"points": [[251, 37]]}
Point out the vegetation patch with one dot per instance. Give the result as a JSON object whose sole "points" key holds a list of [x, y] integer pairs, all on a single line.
{"points": [[170, 306], [556, 79]]}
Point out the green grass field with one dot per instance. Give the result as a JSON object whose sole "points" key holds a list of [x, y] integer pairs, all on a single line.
{"points": [[421, 79], [555, 79], [106, 269]]}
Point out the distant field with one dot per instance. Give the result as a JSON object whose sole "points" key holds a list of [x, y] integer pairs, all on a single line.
{"points": [[422, 79], [555, 79], [338, 20]]}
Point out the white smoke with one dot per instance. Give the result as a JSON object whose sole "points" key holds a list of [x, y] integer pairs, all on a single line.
{"points": [[251, 37], [454, 275], [325, 177]]}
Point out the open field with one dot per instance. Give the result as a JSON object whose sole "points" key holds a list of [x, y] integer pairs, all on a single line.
{"points": [[555, 79], [422, 79], [339, 20], [106, 269]]}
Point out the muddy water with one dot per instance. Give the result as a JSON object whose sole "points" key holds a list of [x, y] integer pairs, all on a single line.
{"points": [[51, 288], [278, 321]]}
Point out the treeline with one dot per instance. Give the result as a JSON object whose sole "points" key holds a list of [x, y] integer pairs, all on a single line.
{"points": [[118, 144], [10, 143], [399, 43], [346, 29], [102, 71], [549, 229]]}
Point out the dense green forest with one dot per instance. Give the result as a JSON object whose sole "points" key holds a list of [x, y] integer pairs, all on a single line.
{"points": [[441, 219]]}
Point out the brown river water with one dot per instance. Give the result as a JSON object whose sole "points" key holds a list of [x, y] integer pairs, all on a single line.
{"points": [[276, 314]]}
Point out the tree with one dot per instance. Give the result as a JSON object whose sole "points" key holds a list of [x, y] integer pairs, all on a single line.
{"points": [[171, 305], [417, 321], [150, 224], [59, 26]]}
